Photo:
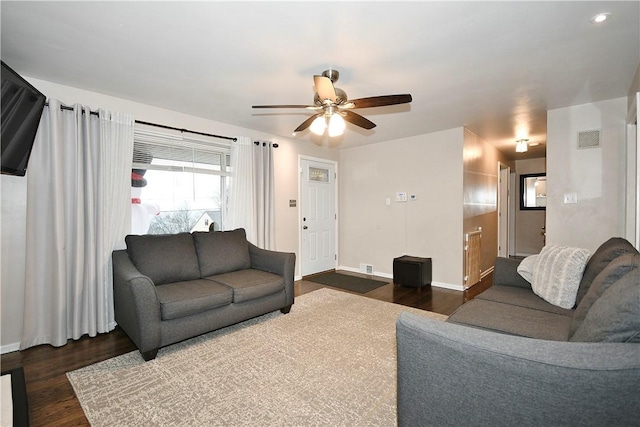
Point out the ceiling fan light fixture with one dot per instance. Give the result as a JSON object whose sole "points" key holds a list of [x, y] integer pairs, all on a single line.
{"points": [[336, 125], [521, 145], [319, 125]]}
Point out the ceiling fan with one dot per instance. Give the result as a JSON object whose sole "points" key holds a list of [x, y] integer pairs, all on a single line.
{"points": [[333, 106]]}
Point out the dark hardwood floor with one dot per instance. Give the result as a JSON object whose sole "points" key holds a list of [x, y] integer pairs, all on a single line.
{"points": [[52, 401]]}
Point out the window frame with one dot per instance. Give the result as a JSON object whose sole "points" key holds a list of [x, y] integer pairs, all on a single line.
{"points": [[145, 138]]}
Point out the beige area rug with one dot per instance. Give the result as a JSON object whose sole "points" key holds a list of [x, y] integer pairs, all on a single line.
{"points": [[330, 362]]}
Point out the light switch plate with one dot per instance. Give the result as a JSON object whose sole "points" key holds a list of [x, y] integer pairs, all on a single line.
{"points": [[570, 198]]}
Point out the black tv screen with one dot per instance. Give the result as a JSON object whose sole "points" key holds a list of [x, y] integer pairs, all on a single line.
{"points": [[22, 106]]}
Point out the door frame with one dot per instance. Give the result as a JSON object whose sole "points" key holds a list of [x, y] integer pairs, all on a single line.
{"points": [[504, 209], [632, 190], [334, 163]]}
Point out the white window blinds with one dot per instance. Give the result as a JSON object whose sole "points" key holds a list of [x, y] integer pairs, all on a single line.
{"points": [[164, 151]]}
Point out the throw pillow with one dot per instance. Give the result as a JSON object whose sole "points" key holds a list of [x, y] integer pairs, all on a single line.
{"points": [[222, 251], [557, 272], [615, 316], [616, 269], [525, 268]]}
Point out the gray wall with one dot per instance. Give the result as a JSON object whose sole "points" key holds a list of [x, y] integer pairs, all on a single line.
{"points": [[529, 224]]}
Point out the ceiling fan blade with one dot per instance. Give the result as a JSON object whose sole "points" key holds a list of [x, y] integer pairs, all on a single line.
{"points": [[306, 123], [357, 119], [324, 88], [380, 101], [279, 106]]}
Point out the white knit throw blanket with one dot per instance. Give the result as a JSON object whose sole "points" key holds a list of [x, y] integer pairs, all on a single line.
{"points": [[557, 273]]}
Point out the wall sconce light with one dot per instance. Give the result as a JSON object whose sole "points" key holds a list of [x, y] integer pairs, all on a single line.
{"points": [[521, 145]]}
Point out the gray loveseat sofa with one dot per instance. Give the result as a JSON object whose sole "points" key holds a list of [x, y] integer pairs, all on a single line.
{"points": [[168, 288], [508, 357]]}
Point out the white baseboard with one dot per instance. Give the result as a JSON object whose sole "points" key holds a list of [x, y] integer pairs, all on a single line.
{"points": [[448, 286], [10, 348], [390, 276]]}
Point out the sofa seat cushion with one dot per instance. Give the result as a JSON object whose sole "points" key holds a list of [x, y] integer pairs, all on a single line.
{"points": [[222, 251], [522, 298], [164, 258], [182, 299], [512, 319], [250, 284]]}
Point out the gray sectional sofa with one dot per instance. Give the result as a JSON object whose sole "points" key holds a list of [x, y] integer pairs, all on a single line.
{"points": [[168, 288], [508, 357]]}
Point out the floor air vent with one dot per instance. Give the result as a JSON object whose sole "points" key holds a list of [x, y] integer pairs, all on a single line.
{"points": [[589, 139], [366, 268]]}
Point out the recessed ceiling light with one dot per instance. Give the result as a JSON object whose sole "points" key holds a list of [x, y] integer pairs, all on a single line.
{"points": [[601, 17]]}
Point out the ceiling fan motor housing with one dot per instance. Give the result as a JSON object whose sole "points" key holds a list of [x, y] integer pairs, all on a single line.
{"points": [[341, 98], [332, 75]]}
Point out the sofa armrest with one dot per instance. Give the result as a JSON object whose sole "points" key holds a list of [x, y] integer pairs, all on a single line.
{"points": [[505, 273], [450, 374], [281, 263], [136, 305]]}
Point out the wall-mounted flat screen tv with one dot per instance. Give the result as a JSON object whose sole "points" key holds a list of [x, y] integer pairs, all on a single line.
{"points": [[22, 106]]}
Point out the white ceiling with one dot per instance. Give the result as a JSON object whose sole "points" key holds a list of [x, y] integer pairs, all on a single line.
{"points": [[494, 67]]}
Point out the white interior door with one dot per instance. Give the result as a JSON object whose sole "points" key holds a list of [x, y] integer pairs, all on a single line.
{"points": [[318, 216], [503, 210]]}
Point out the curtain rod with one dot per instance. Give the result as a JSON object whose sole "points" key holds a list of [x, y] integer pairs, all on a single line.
{"points": [[65, 107], [187, 130]]}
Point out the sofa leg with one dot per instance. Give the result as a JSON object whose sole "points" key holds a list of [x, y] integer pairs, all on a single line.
{"points": [[285, 310], [149, 355]]}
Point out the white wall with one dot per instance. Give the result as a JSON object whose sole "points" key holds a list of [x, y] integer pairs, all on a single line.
{"points": [[371, 232], [596, 175], [13, 193]]}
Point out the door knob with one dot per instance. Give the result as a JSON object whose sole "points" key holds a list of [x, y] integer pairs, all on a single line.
{"points": [[304, 227]]}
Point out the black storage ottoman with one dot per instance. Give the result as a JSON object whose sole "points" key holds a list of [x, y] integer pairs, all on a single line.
{"points": [[412, 271]]}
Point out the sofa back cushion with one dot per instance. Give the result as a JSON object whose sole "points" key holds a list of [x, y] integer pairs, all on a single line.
{"points": [[222, 251], [613, 272], [607, 252], [615, 316], [164, 258]]}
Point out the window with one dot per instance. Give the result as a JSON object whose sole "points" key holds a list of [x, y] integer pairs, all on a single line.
{"points": [[179, 183], [533, 191]]}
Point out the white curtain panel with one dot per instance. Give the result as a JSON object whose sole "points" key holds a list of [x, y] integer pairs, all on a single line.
{"points": [[78, 191], [264, 195], [241, 208], [116, 154], [251, 200]]}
